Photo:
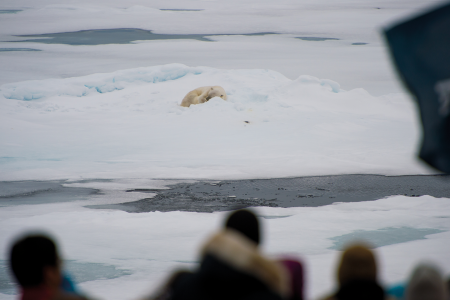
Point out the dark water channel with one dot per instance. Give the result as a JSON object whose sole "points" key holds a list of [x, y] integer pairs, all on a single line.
{"points": [[208, 196]]}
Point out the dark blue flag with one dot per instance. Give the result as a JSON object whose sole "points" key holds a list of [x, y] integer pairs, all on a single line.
{"points": [[420, 48]]}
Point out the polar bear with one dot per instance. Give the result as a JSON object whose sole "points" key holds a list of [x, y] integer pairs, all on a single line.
{"points": [[203, 94]]}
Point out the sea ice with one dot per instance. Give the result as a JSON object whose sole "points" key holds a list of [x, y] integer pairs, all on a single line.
{"points": [[129, 124]]}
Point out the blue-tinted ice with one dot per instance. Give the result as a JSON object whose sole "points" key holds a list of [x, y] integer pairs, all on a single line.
{"points": [[382, 237]]}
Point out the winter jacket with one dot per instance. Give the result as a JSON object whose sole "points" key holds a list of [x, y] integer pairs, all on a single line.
{"points": [[231, 268]]}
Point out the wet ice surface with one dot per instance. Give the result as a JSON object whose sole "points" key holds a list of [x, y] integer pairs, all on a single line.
{"points": [[79, 272], [115, 36], [210, 196]]}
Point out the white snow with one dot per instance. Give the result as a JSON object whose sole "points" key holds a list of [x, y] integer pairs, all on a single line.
{"points": [[295, 108]]}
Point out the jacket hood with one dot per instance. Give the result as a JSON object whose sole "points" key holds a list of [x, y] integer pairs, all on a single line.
{"points": [[232, 248]]}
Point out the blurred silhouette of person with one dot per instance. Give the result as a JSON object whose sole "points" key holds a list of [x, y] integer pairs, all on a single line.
{"points": [[36, 265], [246, 222], [426, 283], [447, 283], [357, 276], [231, 267]]}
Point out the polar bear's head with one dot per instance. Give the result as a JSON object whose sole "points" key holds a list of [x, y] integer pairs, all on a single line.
{"points": [[217, 91]]}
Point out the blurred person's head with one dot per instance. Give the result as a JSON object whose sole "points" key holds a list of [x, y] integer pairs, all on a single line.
{"points": [[34, 261], [357, 263], [426, 283], [245, 222], [447, 283]]}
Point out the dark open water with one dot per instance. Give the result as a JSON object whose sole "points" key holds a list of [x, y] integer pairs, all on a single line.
{"points": [[210, 196]]}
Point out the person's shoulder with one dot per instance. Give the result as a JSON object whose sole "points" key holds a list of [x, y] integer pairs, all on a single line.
{"points": [[68, 296], [329, 297], [171, 285], [263, 295]]}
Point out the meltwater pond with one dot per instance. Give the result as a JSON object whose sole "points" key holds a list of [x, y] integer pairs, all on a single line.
{"points": [[383, 237], [114, 36]]}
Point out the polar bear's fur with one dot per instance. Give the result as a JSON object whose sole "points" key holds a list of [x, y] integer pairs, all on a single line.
{"points": [[203, 94]]}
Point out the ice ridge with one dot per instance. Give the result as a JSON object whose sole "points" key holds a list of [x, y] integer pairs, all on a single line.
{"points": [[100, 83]]}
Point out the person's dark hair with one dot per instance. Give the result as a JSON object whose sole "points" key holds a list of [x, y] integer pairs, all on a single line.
{"points": [[357, 263], [29, 256], [245, 222]]}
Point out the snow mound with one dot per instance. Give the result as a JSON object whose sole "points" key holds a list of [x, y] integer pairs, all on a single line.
{"points": [[101, 83]]}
